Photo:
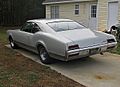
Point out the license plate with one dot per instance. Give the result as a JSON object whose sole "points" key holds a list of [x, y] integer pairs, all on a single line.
{"points": [[103, 48], [85, 52], [95, 50]]}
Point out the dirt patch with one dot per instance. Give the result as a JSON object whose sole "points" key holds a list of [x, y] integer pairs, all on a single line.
{"points": [[19, 71], [98, 77], [103, 77]]}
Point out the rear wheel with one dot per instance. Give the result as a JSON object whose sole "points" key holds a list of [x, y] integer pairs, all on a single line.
{"points": [[12, 43], [44, 56]]}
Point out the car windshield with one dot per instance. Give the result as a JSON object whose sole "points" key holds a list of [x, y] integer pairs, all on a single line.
{"points": [[64, 26]]}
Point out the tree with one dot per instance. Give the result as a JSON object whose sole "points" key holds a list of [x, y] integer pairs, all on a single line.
{"points": [[16, 12]]}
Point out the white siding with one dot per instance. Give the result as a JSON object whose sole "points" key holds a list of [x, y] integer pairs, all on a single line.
{"points": [[68, 11], [48, 14], [102, 14], [119, 12]]}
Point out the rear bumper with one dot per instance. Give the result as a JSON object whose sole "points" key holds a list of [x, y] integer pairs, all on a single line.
{"points": [[79, 53]]}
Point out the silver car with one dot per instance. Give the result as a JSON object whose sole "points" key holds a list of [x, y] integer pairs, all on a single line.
{"points": [[62, 39]]}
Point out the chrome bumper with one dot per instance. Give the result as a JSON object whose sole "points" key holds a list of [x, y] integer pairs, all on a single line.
{"points": [[78, 53]]}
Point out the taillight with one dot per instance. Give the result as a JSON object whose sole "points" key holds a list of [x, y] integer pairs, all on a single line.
{"points": [[110, 40], [73, 47]]}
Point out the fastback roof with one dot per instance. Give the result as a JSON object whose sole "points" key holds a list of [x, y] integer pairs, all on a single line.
{"points": [[48, 20]]}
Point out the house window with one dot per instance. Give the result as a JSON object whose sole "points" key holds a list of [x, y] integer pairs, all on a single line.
{"points": [[77, 9], [93, 11], [54, 12]]}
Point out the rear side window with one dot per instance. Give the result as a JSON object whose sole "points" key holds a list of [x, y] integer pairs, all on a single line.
{"points": [[35, 28]]}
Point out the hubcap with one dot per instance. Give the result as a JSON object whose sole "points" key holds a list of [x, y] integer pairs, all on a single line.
{"points": [[43, 54], [12, 43]]}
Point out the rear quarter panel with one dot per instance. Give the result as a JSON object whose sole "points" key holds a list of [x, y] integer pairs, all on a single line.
{"points": [[53, 43], [105, 35]]}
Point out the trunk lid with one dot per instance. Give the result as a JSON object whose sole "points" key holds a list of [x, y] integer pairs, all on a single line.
{"points": [[84, 37]]}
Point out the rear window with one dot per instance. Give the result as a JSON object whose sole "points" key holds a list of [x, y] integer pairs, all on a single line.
{"points": [[64, 26]]}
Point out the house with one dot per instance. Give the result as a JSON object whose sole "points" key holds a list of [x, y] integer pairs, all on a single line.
{"points": [[95, 14]]}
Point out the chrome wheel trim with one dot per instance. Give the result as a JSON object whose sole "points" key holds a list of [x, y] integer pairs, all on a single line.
{"points": [[43, 54], [12, 43]]}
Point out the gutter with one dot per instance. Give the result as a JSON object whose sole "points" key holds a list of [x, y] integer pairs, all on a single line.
{"points": [[60, 2]]}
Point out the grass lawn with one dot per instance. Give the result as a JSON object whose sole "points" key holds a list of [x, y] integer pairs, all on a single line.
{"points": [[19, 71], [3, 36], [117, 50]]}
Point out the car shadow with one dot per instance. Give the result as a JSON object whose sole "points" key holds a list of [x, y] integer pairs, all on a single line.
{"points": [[73, 64], [82, 62]]}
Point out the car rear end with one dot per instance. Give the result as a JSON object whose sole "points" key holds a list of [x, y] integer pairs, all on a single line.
{"points": [[78, 51], [84, 42]]}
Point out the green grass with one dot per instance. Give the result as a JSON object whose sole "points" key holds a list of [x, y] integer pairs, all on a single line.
{"points": [[3, 35], [33, 77], [117, 50]]}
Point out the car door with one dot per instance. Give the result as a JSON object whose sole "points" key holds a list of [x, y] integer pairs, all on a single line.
{"points": [[32, 35], [24, 34]]}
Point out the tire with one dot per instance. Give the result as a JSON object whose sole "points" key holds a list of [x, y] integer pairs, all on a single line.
{"points": [[12, 43], [44, 56]]}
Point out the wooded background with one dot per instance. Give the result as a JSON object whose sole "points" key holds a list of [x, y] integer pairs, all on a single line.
{"points": [[16, 12]]}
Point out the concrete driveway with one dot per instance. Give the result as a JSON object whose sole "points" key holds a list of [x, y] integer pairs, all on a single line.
{"points": [[96, 71]]}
